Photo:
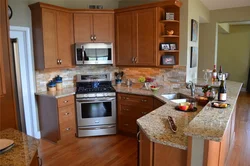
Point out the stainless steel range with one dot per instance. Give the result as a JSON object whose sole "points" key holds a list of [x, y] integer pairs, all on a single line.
{"points": [[95, 105]]}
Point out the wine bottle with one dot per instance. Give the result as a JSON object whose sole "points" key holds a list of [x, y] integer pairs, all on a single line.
{"points": [[219, 75], [222, 93], [214, 74]]}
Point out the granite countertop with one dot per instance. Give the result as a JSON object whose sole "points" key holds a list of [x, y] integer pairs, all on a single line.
{"points": [[23, 151], [58, 94], [206, 124]]}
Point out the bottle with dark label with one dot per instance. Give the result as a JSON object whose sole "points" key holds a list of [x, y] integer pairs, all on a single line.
{"points": [[214, 74], [222, 93]]}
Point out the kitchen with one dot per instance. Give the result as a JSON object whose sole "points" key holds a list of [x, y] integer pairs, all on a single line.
{"points": [[171, 79]]}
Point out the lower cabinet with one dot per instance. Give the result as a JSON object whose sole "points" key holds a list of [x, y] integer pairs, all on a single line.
{"points": [[154, 154], [57, 117], [36, 161], [132, 107]]}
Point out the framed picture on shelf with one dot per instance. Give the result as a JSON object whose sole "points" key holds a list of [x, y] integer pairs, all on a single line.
{"points": [[193, 57], [168, 60], [173, 46], [169, 16], [194, 30], [164, 46]]}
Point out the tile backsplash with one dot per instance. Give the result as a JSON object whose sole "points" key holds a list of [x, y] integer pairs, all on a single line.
{"points": [[174, 77]]}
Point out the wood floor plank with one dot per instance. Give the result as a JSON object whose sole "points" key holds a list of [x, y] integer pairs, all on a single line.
{"points": [[121, 150]]}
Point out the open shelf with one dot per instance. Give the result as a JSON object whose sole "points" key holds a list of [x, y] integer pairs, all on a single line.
{"points": [[170, 36], [169, 51], [169, 21]]}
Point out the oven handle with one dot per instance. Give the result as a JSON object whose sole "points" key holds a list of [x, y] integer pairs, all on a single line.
{"points": [[97, 128], [95, 101]]}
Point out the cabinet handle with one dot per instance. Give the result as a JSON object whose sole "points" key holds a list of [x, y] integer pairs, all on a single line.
{"points": [[125, 109], [143, 113], [67, 113], [135, 59], [66, 101], [126, 124], [138, 136], [91, 37], [125, 98], [144, 101], [58, 61], [95, 37], [68, 129]]}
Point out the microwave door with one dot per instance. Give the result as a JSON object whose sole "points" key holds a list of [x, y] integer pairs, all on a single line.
{"points": [[89, 56]]}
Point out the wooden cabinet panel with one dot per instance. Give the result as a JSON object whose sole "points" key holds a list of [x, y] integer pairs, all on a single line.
{"points": [[144, 101], [145, 151], [66, 113], [2, 81], [158, 103], [133, 111], [49, 18], [83, 27], [127, 124], [103, 25], [65, 38], [64, 101], [145, 37], [124, 39]]}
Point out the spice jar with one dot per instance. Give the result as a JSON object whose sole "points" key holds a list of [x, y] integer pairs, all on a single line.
{"points": [[58, 80], [52, 86]]}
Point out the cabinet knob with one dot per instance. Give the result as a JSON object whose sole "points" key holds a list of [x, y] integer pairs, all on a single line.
{"points": [[95, 37], [135, 59], [58, 61], [144, 101], [68, 129], [125, 98], [66, 101], [67, 113], [125, 109], [143, 113], [91, 37]]}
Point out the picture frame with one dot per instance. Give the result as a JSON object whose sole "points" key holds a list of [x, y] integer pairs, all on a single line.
{"points": [[173, 46], [193, 57], [168, 60], [169, 16], [165, 46], [194, 30]]}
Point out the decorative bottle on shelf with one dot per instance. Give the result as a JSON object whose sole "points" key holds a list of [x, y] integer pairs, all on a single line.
{"points": [[214, 74], [222, 92]]}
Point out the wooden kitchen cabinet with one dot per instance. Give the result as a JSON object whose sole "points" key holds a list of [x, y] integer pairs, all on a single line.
{"points": [[130, 108], [2, 77], [94, 27], [57, 117], [158, 103], [155, 154], [52, 36], [136, 38]]}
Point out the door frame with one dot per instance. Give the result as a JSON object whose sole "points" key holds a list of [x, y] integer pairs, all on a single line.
{"points": [[28, 78]]}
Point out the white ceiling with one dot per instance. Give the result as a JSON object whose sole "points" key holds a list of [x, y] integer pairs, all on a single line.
{"points": [[223, 4]]}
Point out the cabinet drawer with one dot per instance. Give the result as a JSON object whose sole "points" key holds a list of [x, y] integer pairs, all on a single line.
{"points": [[66, 113], [127, 124], [141, 101], [64, 101], [67, 128], [133, 111]]}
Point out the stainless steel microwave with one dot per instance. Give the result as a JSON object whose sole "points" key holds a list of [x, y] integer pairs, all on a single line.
{"points": [[93, 53]]}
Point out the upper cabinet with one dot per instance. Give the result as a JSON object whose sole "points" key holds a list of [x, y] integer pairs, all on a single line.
{"points": [[140, 31], [94, 27], [52, 37], [136, 38]]}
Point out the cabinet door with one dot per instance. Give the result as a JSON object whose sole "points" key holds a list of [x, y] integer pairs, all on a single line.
{"points": [[103, 25], [65, 38], [49, 18], [145, 37], [124, 39], [83, 29], [145, 151]]}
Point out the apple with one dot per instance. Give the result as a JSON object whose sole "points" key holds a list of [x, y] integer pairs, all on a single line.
{"points": [[183, 107]]}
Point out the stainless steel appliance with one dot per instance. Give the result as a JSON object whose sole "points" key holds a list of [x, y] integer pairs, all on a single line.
{"points": [[93, 53], [95, 105]]}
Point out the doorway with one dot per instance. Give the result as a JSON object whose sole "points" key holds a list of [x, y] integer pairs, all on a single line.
{"points": [[24, 80]]}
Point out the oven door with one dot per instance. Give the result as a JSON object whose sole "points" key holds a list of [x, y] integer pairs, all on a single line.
{"points": [[97, 111]]}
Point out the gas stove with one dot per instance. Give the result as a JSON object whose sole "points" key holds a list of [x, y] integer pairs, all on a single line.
{"points": [[94, 86]]}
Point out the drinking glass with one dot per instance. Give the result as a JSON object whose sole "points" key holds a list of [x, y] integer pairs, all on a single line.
{"points": [[211, 97]]}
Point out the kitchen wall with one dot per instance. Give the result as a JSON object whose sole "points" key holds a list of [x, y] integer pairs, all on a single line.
{"points": [[168, 77], [209, 34], [234, 52]]}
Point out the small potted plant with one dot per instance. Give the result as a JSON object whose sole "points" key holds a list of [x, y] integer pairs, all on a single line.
{"points": [[206, 90], [118, 77]]}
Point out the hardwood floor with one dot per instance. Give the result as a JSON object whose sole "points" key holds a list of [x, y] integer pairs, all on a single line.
{"points": [[240, 155], [122, 151], [96, 151]]}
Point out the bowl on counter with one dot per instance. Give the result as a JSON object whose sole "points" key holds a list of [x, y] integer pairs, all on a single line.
{"points": [[154, 88]]}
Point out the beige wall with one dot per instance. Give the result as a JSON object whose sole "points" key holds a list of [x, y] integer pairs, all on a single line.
{"points": [[234, 52], [209, 31]]}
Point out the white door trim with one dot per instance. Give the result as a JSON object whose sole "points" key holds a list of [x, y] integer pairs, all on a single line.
{"points": [[28, 78]]}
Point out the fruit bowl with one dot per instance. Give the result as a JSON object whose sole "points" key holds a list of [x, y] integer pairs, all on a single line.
{"points": [[154, 88]]}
